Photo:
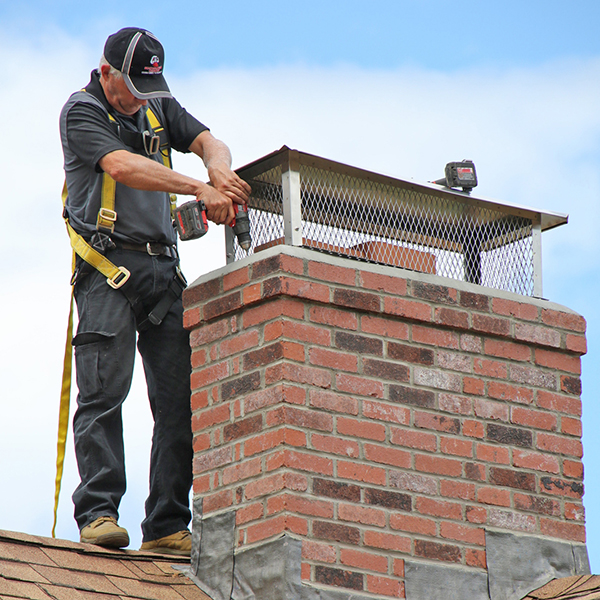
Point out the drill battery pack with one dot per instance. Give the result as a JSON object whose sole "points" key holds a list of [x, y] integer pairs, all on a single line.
{"points": [[190, 220]]}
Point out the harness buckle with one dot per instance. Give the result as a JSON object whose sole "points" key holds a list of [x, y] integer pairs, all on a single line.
{"points": [[151, 252], [106, 219], [151, 142], [119, 279]]}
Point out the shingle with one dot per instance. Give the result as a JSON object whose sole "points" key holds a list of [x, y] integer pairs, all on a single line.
{"points": [[20, 571], [78, 580], [192, 592], [63, 593], [577, 587], [22, 589], [145, 590], [24, 553], [88, 562]]}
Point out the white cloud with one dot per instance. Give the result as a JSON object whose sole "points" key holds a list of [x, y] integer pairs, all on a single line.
{"points": [[532, 133]]}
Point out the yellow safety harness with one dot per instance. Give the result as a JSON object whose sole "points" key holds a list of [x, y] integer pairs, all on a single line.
{"points": [[116, 277]]}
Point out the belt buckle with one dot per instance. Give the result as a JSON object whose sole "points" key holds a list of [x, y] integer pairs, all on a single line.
{"points": [[151, 252]]}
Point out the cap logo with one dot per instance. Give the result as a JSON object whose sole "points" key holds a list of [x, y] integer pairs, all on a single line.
{"points": [[154, 68]]}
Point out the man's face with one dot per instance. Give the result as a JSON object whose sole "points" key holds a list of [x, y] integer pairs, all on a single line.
{"points": [[118, 94]]}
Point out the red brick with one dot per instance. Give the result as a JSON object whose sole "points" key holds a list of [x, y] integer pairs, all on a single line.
{"points": [[436, 551], [201, 292], [413, 439], [265, 529], [476, 514], [361, 514], [335, 445], [301, 288], [308, 462], [372, 409], [361, 429], [309, 506], [333, 359], [494, 454], [533, 377], [456, 447], [303, 332], [384, 327], [442, 338], [533, 418], [264, 486], [559, 445], [536, 504], [509, 350], [560, 487], [559, 403], [567, 531], [425, 420], [414, 482], [198, 358], [360, 472], [192, 318], [265, 441], [564, 320], [570, 426], [491, 325], [252, 294], [536, 461], [411, 353], [267, 311], [358, 385], [217, 501], [493, 495], [336, 489], [462, 533], [537, 334], [210, 416], [490, 368], [474, 301], [297, 525], [331, 273], [242, 428], [510, 308], [209, 375], [471, 343], [439, 465], [339, 578], [199, 400], [201, 442], [452, 488], [574, 512], [510, 478], [263, 398], [333, 402], [454, 361], [413, 524], [279, 262], [292, 372], [434, 378], [387, 371], [570, 385], [408, 309], [236, 278], [317, 551], [576, 343], [475, 558], [252, 512], [488, 409], [357, 300], [475, 471], [326, 530], [222, 306], [241, 471], [449, 317], [513, 393], [433, 292], [363, 560], [387, 541], [573, 469], [385, 586], [439, 508], [473, 429], [455, 404], [558, 360], [473, 386], [383, 283], [308, 419], [387, 456], [334, 317]]}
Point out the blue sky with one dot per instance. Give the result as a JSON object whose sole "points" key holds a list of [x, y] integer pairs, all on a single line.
{"points": [[400, 87]]}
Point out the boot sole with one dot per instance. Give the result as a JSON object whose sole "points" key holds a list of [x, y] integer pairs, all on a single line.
{"points": [[108, 540], [171, 551]]}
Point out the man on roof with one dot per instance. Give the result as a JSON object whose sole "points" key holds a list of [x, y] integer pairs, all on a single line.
{"points": [[117, 136]]}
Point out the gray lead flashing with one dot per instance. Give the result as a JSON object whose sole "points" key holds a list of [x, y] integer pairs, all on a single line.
{"points": [[518, 564]]}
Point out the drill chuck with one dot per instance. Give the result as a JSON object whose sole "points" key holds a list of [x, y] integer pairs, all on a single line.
{"points": [[241, 227]]}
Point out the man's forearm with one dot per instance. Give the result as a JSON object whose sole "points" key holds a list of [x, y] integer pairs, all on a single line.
{"points": [[142, 173]]}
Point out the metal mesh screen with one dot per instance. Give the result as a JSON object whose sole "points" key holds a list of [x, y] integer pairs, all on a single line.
{"points": [[411, 227]]}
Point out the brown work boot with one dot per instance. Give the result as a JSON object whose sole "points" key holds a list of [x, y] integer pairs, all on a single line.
{"points": [[105, 532], [179, 543]]}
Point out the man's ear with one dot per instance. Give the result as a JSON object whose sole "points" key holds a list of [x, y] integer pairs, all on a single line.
{"points": [[105, 71]]}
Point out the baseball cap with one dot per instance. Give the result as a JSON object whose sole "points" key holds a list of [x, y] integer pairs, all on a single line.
{"points": [[139, 55]]}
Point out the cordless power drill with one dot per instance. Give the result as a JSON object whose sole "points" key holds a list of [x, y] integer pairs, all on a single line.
{"points": [[191, 222]]}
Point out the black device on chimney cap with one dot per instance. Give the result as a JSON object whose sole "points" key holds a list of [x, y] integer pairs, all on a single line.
{"points": [[460, 174]]}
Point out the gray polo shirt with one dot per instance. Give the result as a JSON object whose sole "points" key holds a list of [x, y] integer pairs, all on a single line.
{"points": [[87, 135]]}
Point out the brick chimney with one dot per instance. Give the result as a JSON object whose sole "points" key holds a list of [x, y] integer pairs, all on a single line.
{"points": [[366, 431]]}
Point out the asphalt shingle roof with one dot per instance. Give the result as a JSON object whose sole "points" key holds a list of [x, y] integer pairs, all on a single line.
{"points": [[40, 568], [577, 587]]}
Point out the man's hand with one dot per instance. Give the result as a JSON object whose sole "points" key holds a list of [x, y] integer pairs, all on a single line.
{"points": [[228, 183], [219, 208]]}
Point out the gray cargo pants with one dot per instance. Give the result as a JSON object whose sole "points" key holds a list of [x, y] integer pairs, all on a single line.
{"points": [[104, 355]]}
